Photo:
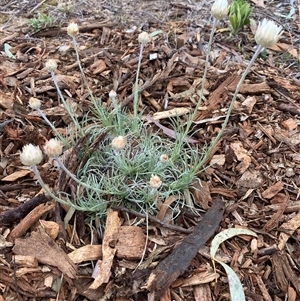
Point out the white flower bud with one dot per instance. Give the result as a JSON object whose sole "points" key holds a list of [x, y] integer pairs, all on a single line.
{"points": [[51, 65], [118, 143], [72, 29], [34, 103], [164, 158], [219, 9], [31, 155], [267, 33], [144, 38], [155, 182], [53, 148], [112, 94]]}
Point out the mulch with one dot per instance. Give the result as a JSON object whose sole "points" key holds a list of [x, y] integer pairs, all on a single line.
{"points": [[251, 179]]}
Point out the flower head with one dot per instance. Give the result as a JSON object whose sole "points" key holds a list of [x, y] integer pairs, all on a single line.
{"points": [[219, 9], [144, 38], [72, 29], [53, 148], [112, 94], [34, 103], [51, 65], [267, 33], [118, 143], [31, 155], [155, 182], [164, 158]]}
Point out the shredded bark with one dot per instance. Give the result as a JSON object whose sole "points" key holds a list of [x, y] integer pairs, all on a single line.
{"points": [[178, 261]]}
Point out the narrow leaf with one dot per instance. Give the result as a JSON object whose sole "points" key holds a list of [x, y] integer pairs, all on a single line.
{"points": [[235, 286], [224, 235], [7, 48]]}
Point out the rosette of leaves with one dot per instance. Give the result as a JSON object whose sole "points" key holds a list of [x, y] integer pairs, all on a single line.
{"points": [[239, 13]]}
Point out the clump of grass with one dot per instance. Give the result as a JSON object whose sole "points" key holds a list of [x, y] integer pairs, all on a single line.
{"points": [[133, 165], [125, 175]]}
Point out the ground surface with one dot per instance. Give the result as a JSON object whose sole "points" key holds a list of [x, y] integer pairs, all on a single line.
{"points": [[257, 174]]}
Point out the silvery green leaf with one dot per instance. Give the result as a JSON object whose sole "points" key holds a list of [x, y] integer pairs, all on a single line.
{"points": [[7, 51]]}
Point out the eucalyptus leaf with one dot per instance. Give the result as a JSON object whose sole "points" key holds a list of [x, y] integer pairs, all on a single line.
{"points": [[155, 33], [235, 286], [7, 48], [226, 234]]}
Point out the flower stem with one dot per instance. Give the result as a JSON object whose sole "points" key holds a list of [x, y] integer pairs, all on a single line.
{"points": [[136, 89], [81, 69], [52, 127], [192, 117], [224, 125], [44, 186], [72, 115]]}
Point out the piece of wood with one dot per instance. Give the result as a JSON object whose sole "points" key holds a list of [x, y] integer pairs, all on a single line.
{"points": [[179, 260], [29, 220], [11, 216], [46, 251], [25, 261], [131, 243], [86, 253], [109, 249]]}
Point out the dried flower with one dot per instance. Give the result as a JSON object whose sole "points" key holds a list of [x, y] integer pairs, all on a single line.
{"points": [[31, 155], [34, 103], [118, 143], [219, 9], [267, 33], [72, 29], [155, 182], [53, 148], [164, 158], [144, 38], [51, 65]]}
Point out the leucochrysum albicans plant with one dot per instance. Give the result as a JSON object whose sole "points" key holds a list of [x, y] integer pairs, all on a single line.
{"points": [[131, 165]]}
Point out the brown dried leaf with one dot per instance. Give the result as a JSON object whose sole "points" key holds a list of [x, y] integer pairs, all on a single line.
{"points": [[178, 261]]}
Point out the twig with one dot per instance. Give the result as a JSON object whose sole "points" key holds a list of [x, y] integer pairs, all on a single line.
{"points": [[36, 7], [153, 219]]}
